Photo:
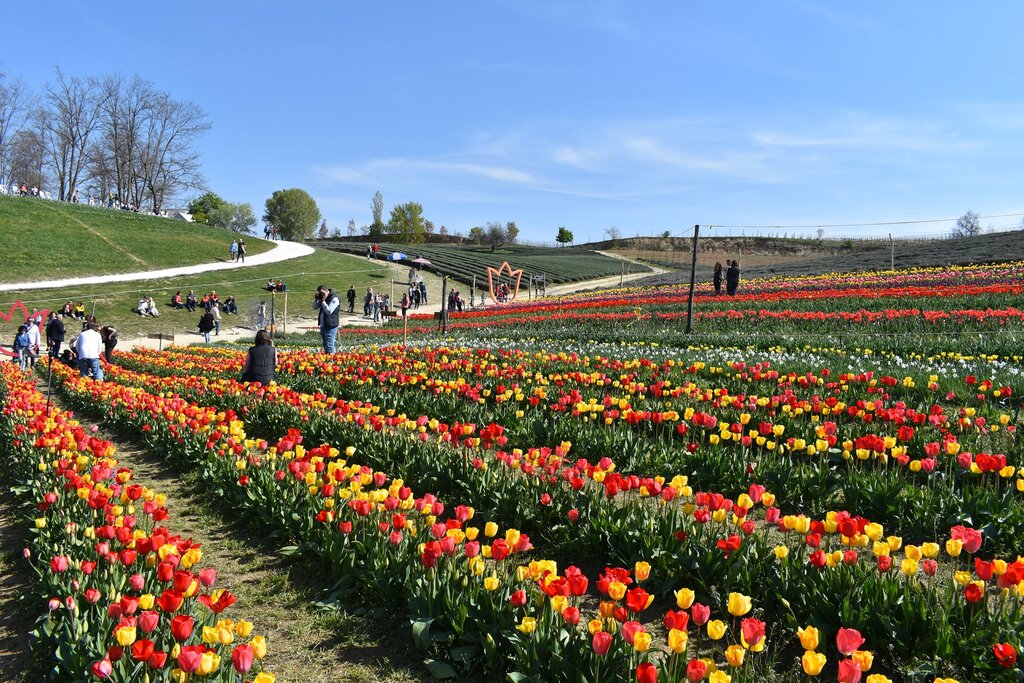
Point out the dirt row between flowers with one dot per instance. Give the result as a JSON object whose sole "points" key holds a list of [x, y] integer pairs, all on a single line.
{"points": [[17, 618], [277, 593]]}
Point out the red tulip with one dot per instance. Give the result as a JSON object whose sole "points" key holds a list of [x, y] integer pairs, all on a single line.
{"points": [[190, 657], [1006, 654], [849, 672], [848, 640], [601, 643], [242, 657], [696, 670], [142, 650], [181, 627], [700, 613], [647, 673]]}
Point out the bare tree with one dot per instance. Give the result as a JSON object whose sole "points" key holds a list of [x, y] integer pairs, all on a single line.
{"points": [[967, 225], [168, 161], [351, 230], [613, 233], [126, 107], [27, 158], [15, 103], [71, 116]]}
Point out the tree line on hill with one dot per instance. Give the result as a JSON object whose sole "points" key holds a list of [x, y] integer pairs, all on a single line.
{"points": [[112, 137]]}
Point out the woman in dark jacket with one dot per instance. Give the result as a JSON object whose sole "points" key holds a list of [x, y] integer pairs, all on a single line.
{"points": [[732, 278], [206, 325], [261, 361], [718, 277], [55, 334]]}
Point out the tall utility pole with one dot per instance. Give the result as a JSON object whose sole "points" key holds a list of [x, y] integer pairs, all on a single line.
{"points": [[693, 280]]}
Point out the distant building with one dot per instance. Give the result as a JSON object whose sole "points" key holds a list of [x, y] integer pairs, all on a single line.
{"points": [[177, 214]]}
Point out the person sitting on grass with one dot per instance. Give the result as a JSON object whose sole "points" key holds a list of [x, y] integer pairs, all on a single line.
{"points": [[152, 307], [281, 287], [271, 286], [176, 303], [205, 303], [80, 311], [143, 308], [230, 305], [190, 301]]}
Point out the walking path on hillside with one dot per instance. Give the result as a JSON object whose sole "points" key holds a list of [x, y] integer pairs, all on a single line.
{"points": [[284, 251]]}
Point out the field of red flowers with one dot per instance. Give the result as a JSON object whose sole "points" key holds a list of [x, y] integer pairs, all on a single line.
{"points": [[547, 507]]}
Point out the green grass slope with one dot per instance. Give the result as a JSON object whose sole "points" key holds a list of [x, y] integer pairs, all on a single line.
{"points": [[461, 262], [114, 302], [45, 240]]}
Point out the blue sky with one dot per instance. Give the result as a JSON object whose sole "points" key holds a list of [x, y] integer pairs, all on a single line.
{"points": [[648, 116]]}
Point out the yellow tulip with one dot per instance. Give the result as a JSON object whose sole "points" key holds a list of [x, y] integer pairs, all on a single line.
{"points": [[734, 655], [243, 628], [684, 598], [719, 677], [878, 678], [909, 566], [642, 570], [813, 662], [527, 625], [781, 552], [864, 659], [809, 637], [595, 626], [716, 629], [616, 590], [259, 646], [490, 530], [491, 583], [954, 547], [739, 604], [677, 640], [642, 641], [125, 635]]}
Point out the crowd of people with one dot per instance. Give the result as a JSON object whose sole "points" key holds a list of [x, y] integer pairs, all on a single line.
{"points": [[83, 352]]}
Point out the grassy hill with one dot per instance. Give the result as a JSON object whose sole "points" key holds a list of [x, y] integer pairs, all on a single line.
{"points": [[463, 262], [768, 256], [114, 302], [45, 240]]}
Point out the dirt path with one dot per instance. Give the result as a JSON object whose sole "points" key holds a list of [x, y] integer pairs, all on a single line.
{"points": [[17, 616], [276, 593]]}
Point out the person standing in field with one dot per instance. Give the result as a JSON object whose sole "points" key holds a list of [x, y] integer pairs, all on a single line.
{"points": [[351, 296], [326, 304], [206, 325], [21, 345], [719, 271], [261, 316], [732, 278], [233, 250], [87, 349], [55, 332], [241, 251]]}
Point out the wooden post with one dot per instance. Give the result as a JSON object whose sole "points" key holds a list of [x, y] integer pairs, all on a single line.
{"points": [[444, 303], [273, 320], [693, 279], [892, 253], [284, 318], [405, 332], [622, 272]]}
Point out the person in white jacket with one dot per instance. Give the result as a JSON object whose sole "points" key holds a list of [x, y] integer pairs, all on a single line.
{"points": [[88, 347]]}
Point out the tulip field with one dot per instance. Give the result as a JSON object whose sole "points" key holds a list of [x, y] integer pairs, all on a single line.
{"points": [[825, 481]]}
